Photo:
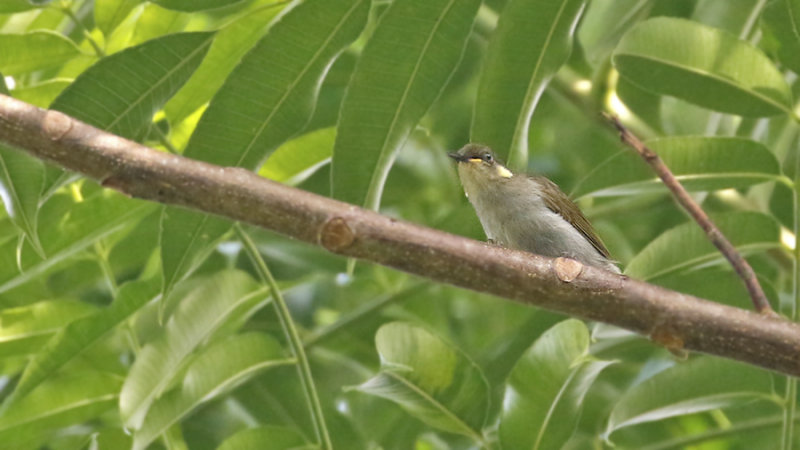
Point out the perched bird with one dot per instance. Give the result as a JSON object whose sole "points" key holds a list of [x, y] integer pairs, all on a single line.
{"points": [[527, 212]]}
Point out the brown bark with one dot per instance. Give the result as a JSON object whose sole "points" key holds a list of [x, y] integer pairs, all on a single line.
{"points": [[675, 320]]}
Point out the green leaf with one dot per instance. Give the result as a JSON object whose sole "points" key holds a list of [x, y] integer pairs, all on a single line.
{"points": [[22, 178], [699, 163], [781, 21], [702, 65], [596, 37], [230, 44], [204, 310], [295, 160], [266, 437], [12, 6], [545, 391], [430, 379], [72, 229], [267, 99], [108, 14], [387, 96], [702, 384], [24, 329], [533, 39], [217, 370], [82, 334], [64, 401], [41, 94], [687, 246], [194, 5], [38, 50], [121, 92]]}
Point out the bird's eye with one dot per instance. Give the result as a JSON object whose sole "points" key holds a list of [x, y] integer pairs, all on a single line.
{"points": [[487, 157]]}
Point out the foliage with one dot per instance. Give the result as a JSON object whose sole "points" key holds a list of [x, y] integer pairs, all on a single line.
{"points": [[125, 324]]}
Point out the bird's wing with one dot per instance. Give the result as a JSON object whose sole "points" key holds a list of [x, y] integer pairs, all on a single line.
{"points": [[557, 201]]}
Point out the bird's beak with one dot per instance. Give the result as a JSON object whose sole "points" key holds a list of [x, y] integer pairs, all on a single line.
{"points": [[457, 157]]}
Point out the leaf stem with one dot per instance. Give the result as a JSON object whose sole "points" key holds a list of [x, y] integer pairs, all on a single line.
{"points": [[293, 337], [97, 49]]}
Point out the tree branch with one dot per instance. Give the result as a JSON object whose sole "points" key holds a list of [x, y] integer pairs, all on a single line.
{"points": [[563, 285], [740, 265]]}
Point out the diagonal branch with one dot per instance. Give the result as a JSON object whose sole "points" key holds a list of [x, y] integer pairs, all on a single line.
{"points": [[670, 318], [716, 237]]}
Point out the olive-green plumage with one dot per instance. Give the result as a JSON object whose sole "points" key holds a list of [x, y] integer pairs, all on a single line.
{"points": [[527, 212]]}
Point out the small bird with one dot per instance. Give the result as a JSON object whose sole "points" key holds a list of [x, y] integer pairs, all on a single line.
{"points": [[527, 212]]}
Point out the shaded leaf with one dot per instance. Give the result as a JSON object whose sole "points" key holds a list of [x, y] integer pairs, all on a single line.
{"points": [[108, 14], [699, 163], [703, 384], [215, 371], [22, 179], [430, 379], [60, 402], [687, 246], [38, 50], [81, 334], [545, 391], [204, 310], [533, 39], [121, 92], [702, 65], [266, 437], [387, 96], [781, 20], [267, 99]]}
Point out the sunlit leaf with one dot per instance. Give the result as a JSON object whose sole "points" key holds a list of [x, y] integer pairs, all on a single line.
{"points": [[24, 329], [387, 96], [430, 379], [194, 5], [266, 437], [22, 179], [297, 159], [544, 393], [702, 65], [533, 39], [33, 51], [267, 99], [108, 14], [687, 246]]}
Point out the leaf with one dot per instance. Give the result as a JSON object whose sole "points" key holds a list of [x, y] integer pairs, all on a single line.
{"points": [[699, 163], [230, 44], [267, 99], [430, 379], [533, 39], [702, 384], [544, 393], [60, 402], [41, 94], [266, 437], [194, 5], [387, 96], [204, 310], [38, 50], [22, 179], [687, 246], [82, 334], [217, 370], [12, 6], [604, 23], [781, 20], [72, 229], [121, 92], [297, 159], [702, 65], [108, 14], [24, 329]]}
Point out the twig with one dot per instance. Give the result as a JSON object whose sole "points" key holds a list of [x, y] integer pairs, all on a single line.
{"points": [[740, 265], [562, 285]]}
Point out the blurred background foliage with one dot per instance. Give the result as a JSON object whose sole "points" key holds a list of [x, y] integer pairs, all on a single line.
{"points": [[125, 324]]}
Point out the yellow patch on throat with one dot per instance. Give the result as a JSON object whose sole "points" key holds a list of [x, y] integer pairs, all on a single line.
{"points": [[503, 172]]}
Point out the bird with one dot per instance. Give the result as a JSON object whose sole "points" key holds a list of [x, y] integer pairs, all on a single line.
{"points": [[527, 212]]}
